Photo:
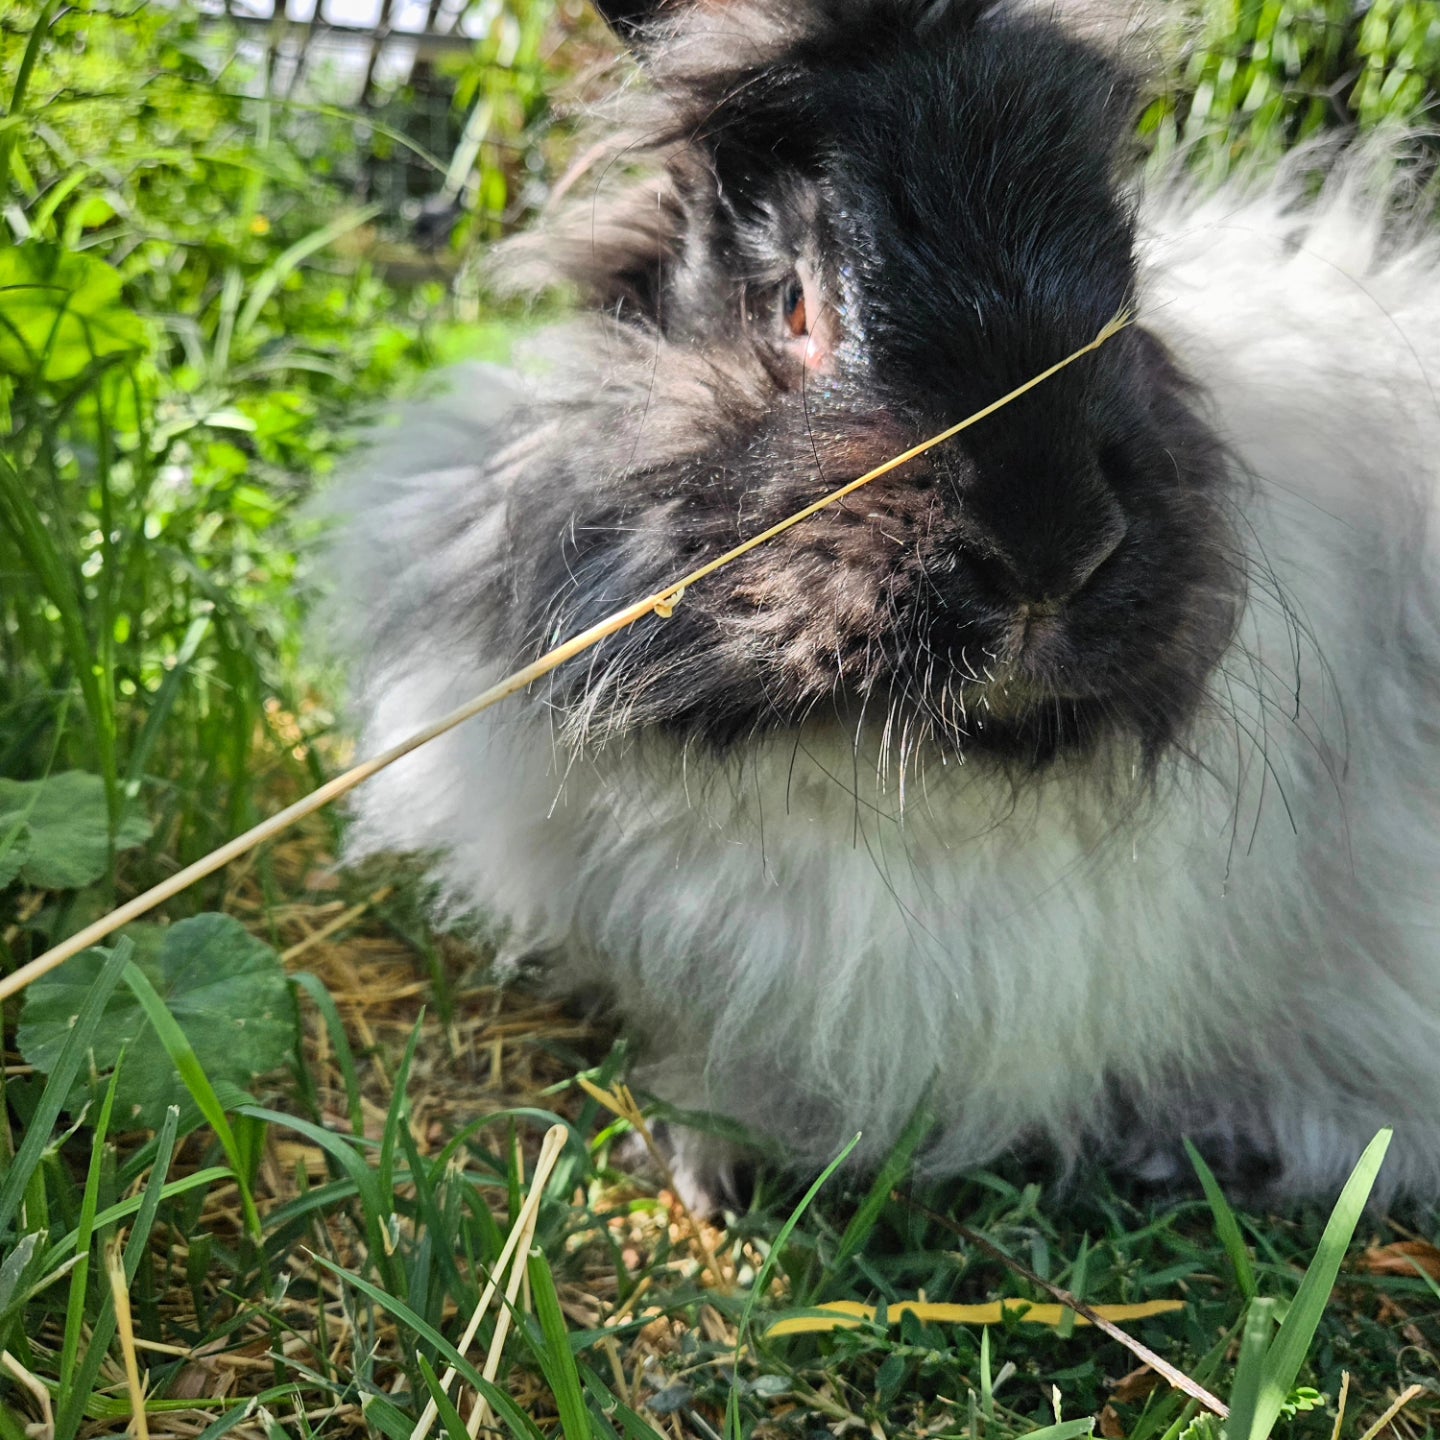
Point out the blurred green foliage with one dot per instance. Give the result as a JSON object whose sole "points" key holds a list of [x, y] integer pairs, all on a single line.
{"points": [[1257, 77], [1399, 41], [504, 90], [180, 346]]}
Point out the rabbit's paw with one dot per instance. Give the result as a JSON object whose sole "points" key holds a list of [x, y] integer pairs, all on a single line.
{"points": [[711, 1175]]}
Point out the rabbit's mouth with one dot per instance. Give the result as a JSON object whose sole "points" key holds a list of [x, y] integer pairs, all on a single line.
{"points": [[1011, 700], [1036, 710], [1128, 662], [1039, 723], [1036, 728]]}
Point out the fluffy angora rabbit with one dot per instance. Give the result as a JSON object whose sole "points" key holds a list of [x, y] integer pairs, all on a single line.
{"points": [[1078, 779]]}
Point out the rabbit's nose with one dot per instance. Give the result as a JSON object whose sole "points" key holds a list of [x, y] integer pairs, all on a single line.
{"points": [[1047, 570]]}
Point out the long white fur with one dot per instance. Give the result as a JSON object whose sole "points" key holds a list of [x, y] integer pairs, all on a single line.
{"points": [[813, 951]]}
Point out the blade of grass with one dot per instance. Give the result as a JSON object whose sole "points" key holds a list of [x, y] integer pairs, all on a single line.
{"points": [[635, 1426], [1188, 1412], [395, 1119], [145, 1206], [896, 1167], [274, 274], [232, 288], [1432, 1284], [1292, 1343], [1227, 1227], [444, 1407], [437, 1222], [987, 1384], [346, 1150], [164, 703], [223, 1426], [1244, 1423], [18, 92], [75, 1306], [523, 1228], [380, 1417], [13, 1268], [134, 1385], [59, 581], [557, 1361], [521, 1425], [131, 1206], [1065, 1430], [187, 1066], [1156, 1417], [401, 1312], [762, 1278], [57, 1088], [523, 1237]]}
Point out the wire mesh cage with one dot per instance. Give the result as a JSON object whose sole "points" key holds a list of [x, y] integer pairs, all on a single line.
{"points": [[448, 102]]}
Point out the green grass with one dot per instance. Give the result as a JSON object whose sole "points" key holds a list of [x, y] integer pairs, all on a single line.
{"points": [[305, 1211], [371, 1252], [177, 356]]}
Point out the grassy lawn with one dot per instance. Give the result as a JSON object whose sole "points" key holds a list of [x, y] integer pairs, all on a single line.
{"points": [[266, 1156]]}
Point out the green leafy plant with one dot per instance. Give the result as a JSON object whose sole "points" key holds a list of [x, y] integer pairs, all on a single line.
{"points": [[182, 341], [1399, 41], [225, 990], [1262, 76], [55, 835]]}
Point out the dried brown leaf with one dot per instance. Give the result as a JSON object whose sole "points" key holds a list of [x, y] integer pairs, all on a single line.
{"points": [[1132, 1388], [1401, 1258]]}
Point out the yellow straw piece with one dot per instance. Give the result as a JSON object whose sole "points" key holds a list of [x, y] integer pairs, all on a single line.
{"points": [[120, 1293], [850, 1314]]}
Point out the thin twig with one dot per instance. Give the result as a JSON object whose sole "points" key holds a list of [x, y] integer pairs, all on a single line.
{"points": [[617, 1370], [661, 603], [1400, 1403], [1177, 1378], [1340, 1404], [550, 1148]]}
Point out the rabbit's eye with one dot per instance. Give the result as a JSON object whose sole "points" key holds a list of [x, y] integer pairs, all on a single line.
{"points": [[799, 321], [793, 312]]}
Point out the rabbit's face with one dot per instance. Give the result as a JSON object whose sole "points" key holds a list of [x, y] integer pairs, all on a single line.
{"points": [[870, 228]]}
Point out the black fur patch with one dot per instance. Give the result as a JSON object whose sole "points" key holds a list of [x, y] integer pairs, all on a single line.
{"points": [[1059, 575]]}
